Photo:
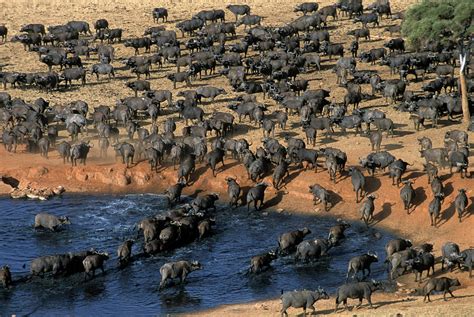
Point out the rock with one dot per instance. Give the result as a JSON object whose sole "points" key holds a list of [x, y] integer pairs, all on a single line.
{"points": [[35, 172], [377, 235], [280, 210], [261, 306], [46, 192], [121, 180], [81, 175], [112, 176], [105, 178], [18, 194], [141, 178], [59, 190], [33, 193], [35, 196]]}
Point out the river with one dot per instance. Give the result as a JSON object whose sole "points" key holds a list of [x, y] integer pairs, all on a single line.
{"points": [[104, 221]]}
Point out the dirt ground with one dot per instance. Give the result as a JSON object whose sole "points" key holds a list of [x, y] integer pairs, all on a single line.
{"points": [[105, 176]]}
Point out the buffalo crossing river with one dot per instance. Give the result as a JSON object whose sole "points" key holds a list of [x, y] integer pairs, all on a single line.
{"points": [[103, 222]]}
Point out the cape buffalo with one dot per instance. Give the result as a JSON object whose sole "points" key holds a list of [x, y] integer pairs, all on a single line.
{"points": [[51, 222], [179, 269], [301, 299], [439, 284]]}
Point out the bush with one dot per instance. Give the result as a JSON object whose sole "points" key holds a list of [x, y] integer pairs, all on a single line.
{"points": [[442, 20]]}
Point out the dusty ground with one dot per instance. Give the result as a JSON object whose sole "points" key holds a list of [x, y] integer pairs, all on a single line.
{"points": [[384, 305], [102, 176]]}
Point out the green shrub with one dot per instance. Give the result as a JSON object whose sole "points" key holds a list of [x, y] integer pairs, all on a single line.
{"points": [[438, 20]]}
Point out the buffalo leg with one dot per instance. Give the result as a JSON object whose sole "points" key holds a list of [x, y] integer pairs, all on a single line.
{"points": [[370, 302], [183, 277], [162, 283]]}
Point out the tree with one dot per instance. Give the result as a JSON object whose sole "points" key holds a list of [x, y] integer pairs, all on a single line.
{"points": [[446, 22]]}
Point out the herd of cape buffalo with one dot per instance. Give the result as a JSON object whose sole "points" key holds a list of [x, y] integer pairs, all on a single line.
{"points": [[258, 61]]}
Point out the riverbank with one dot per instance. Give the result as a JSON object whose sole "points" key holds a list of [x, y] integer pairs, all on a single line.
{"points": [[385, 305], [106, 176]]}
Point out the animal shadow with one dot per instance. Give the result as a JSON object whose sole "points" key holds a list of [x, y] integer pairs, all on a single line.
{"points": [[274, 201], [391, 147], [445, 177], [334, 198], [414, 174], [385, 303], [179, 298], [400, 133], [291, 177], [448, 189], [447, 214], [372, 184], [327, 139], [469, 210], [227, 166], [288, 134], [197, 173], [94, 288], [420, 197], [386, 211]]}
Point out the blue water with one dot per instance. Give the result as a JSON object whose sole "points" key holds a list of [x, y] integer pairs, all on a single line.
{"points": [[103, 222]]}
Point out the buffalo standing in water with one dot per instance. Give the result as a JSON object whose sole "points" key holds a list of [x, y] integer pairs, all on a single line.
{"points": [[51, 222], [124, 252], [288, 241], [179, 269], [5, 276], [93, 262], [56, 264]]}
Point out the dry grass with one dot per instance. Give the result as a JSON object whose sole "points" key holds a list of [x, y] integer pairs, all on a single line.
{"points": [[134, 17]]}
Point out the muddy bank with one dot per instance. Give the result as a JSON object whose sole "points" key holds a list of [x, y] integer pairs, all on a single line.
{"points": [[109, 177]]}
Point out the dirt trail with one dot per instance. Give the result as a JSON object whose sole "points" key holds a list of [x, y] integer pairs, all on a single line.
{"points": [[106, 176]]}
